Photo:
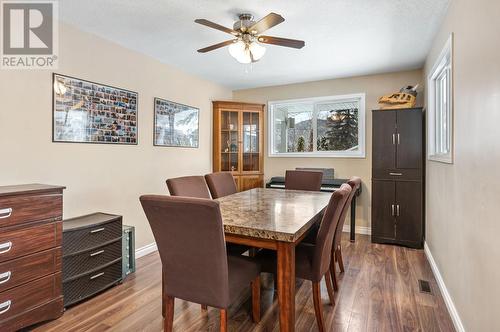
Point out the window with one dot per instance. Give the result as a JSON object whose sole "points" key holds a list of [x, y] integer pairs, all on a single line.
{"points": [[318, 127], [440, 105]]}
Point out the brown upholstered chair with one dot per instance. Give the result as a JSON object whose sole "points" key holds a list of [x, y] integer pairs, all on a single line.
{"points": [[196, 267], [303, 180], [221, 184], [188, 186], [312, 261], [355, 183]]}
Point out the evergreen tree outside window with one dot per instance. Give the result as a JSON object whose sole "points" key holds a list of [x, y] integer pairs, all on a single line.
{"points": [[318, 127]]}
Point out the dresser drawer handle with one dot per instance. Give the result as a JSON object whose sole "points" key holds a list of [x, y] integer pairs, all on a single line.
{"points": [[396, 174], [5, 305], [96, 253], [97, 230], [7, 213], [97, 275], [4, 277], [5, 247]]}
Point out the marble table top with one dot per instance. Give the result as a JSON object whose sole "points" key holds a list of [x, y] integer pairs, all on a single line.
{"points": [[276, 214]]}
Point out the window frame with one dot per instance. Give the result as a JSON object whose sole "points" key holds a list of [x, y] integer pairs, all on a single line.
{"points": [[360, 153], [443, 65]]}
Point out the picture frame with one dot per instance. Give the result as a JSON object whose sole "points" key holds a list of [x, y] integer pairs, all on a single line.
{"points": [[94, 113], [175, 124]]}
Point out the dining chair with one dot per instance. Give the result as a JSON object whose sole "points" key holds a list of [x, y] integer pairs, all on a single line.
{"points": [[312, 261], [190, 239], [221, 184], [303, 180], [188, 186], [355, 183]]}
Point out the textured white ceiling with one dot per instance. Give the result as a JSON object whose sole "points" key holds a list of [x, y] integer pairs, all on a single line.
{"points": [[343, 37]]}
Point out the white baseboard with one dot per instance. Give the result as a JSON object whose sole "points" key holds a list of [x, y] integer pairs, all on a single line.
{"points": [[359, 229], [446, 295], [147, 249]]}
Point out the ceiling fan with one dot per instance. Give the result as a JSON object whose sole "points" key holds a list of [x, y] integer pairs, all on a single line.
{"points": [[246, 46]]}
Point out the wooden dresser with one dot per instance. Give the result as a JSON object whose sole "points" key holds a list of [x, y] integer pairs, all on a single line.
{"points": [[30, 255], [238, 142]]}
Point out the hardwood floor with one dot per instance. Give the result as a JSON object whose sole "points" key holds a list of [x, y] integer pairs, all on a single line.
{"points": [[378, 292]]}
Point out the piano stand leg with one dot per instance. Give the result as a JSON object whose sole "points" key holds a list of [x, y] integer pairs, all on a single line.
{"points": [[353, 218]]}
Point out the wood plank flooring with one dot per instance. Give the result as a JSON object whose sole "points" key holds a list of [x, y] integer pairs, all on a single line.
{"points": [[378, 292]]}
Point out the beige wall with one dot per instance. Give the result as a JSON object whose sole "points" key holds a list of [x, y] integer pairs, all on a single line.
{"points": [[463, 198], [373, 86], [100, 177]]}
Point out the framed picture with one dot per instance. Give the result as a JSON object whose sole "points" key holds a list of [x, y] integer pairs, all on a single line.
{"points": [[176, 124], [89, 112]]}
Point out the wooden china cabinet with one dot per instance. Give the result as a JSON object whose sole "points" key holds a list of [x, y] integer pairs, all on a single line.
{"points": [[238, 142]]}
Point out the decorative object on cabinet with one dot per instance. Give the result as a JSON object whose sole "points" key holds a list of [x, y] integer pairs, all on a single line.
{"points": [[92, 255], [398, 170], [176, 125], [30, 255], [405, 98], [88, 112], [238, 142], [128, 251]]}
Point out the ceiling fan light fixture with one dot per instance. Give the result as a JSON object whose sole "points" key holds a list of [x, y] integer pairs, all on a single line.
{"points": [[257, 51]]}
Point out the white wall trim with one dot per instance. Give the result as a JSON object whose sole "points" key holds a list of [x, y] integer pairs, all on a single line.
{"points": [[365, 230], [446, 295], [147, 249]]}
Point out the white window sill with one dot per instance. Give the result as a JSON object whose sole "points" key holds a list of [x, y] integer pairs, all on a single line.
{"points": [[316, 155], [446, 159]]}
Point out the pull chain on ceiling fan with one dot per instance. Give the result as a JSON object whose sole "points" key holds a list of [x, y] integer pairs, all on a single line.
{"points": [[246, 46]]}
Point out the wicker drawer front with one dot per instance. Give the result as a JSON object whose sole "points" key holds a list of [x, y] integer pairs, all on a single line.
{"points": [[75, 265], [35, 293], [23, 209], [90, 284], [22, 270], [92, 237], [20, 242]]}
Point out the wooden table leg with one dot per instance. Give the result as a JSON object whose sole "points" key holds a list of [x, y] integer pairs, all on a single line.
{"points": [[286, 285], [353, 218]]}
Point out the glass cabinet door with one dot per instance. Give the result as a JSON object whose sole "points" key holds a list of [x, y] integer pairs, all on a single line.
{"points": [[251, 158], [229, 141]]}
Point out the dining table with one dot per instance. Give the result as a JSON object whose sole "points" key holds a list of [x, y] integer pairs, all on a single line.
{"points": [[277, 220]]}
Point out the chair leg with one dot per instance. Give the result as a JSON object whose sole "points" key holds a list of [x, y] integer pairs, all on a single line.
{"points": [[318, 310], [168, 321], [163, 304], [334, 276], [223, 320], [256, 299], [338, 253], [329, 288]]}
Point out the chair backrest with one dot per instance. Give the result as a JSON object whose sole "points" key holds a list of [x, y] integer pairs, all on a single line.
{"points": [[326, 232], [221, 184], [354, 182], [190, 239], [303, 180], [188, 186]]}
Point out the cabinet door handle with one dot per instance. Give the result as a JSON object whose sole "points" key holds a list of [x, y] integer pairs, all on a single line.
{"points": [[97, 275], [4, 277], [97, 230], [398, 139], [5, 305], [395, 174], [393, 139], [397, 210], [392, 209], [5, 213], [5, 247], [96, 253]]}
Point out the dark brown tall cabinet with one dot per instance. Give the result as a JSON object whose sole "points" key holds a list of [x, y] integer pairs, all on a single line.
{"points": [[398, 171]]}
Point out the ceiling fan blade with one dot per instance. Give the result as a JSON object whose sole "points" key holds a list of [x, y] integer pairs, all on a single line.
{"points": [[215, 26], [266, 23], [281, 41], [216, 46]]}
